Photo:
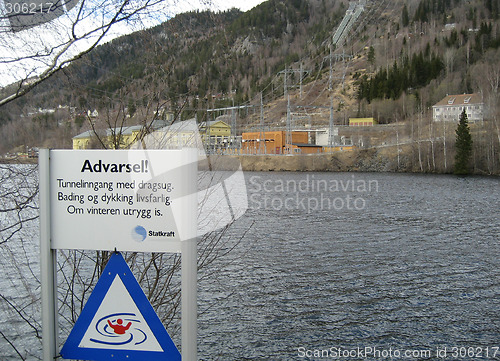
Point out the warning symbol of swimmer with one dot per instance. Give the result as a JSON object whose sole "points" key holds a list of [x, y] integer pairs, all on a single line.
{"points": [[118, 322], [118, 328]]}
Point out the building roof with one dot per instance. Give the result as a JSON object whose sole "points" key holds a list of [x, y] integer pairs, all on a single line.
{"points": [[211, 123], [460, 99], [109, 131], [181, 127], [128, 130]]}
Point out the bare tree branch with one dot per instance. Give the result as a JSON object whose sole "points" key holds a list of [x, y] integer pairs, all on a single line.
{"points": [[12, 345], [57, 56], [35, 327]]}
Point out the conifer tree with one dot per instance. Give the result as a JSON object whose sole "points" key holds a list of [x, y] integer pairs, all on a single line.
{"points": [[371, 55], [405, 17], [463, 146]]}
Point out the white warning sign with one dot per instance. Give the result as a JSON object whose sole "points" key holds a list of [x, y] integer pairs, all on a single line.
{"points": [[129, 200]]}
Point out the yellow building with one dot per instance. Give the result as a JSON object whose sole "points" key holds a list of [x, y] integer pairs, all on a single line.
{"points": [[362, 122], [113, 138], [216, 135], [215, 128]]}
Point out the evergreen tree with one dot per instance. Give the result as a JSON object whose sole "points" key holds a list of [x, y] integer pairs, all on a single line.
{"points": [[131, 107], [405, 17], [371, 55], [463, 146]]}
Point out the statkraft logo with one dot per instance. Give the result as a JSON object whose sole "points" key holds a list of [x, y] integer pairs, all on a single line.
{"points": [[139, 234]]}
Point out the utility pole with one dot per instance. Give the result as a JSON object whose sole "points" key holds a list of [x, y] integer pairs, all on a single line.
{"points": [[301, 71], [331, 129], [330, 78], [288, 145], [397, 142], [262, 131], [343, 56], [330, 73], [444, 145], [285, 91], [338, 57], [233, 128]]}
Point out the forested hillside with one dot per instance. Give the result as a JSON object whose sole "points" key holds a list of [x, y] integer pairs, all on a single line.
{"points": [[399, 59]]}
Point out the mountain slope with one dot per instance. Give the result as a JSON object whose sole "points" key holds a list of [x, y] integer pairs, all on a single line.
{"points": [[399, 58]]}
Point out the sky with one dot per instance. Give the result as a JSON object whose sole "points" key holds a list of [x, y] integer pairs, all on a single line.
{"points": [[242, 5], [43, 38]]}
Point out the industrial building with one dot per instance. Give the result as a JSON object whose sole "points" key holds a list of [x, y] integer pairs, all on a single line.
{"points": [[362, 122], [275, 142]]}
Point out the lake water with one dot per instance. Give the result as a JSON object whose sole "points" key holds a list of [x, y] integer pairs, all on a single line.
{"points": [[412, 266], [352, 266]]}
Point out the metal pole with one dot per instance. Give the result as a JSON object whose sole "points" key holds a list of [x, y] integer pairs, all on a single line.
{"points": [[233, 125], [444, 144], [331, 71], [188, 300], [289, 139], [48, 263], [189, 265], [300, 80], [330, 130], [285, 92], [262, 130]]}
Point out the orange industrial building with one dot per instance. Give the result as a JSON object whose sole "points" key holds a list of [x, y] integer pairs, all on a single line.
{"points": [[274, 142]]}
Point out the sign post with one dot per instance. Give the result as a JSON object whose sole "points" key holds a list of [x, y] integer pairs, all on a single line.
{"points": [[125, 200], [48, 276], [189, 300]]}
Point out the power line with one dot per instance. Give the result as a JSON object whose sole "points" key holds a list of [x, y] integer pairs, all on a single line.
{"points": [[301, 71]]}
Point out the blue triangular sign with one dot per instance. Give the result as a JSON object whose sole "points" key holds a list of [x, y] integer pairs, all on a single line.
{"points": [[118, 322]]}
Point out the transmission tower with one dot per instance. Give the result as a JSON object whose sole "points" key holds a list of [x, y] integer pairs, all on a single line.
{"points": [[285, 73]]}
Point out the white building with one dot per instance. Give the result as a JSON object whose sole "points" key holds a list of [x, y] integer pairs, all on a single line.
{"points": [[451, 106], [179, 134], [323, 136]]}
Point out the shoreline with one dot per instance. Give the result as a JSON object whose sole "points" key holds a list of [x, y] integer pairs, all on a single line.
{"points": [[19, 161], [378, 160]]}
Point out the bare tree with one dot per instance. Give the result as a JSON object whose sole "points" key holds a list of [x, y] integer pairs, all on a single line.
{"points": [[63, 32], [18, 194], [18, 295], [486, 75], [78, 271], [79, 28]]}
